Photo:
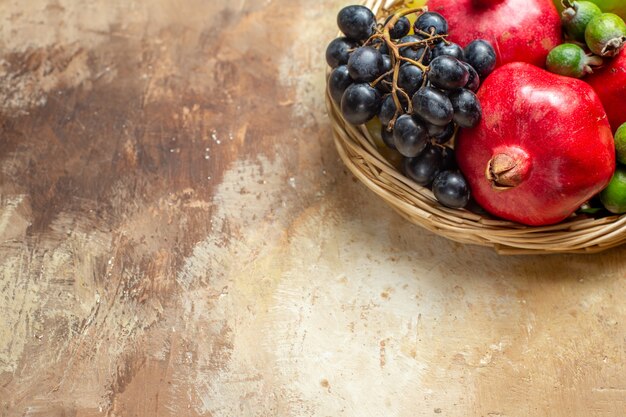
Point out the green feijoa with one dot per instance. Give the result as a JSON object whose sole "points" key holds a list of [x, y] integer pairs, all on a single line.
{"points": [[620, 144], [570, 60], [605, 34], [576, 17], [613, 197]]}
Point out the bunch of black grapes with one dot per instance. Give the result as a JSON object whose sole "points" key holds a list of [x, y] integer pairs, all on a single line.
{"points": [[420, 86]]}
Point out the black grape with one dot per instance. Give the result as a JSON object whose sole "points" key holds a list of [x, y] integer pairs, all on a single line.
{"points": [[387, 136], [338, 81], [440, 134], [449, 160], [423, 168], [360, 103], [384, 85], [388, 108], [338, 51], [410, 78], [450, 49], [410, 135], [356, 22], [473, 81], [381, 45], [447, 72], [400, 29], [467, 109], [450, 189], [365, 64], [431, 22], [433, 106], [415, 52], [481, 55]]}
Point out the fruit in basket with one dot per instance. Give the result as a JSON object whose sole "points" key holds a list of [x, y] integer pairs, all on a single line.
{"points": [[387, 110], [577, 16], [365, 64], [605, 34], [609, 82], [613, 197], [449, 160], [387, 137], [410, 136], [450, 186], [431, 23], [473, 82], [571, 60], [410, 78], [451, 189], [450, 48], [360, 103], [481, 56], [542, 149], [338, 51], [356, 22], [400, 29], [521, 30], [447, 73], [433, 106], [441, 134], [384, 86], [467, 109], [418, 52], [620, 144], [424, 168], [338, 81]]}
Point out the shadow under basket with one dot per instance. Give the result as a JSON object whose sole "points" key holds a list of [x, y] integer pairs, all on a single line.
{"points": [[579, 233]]}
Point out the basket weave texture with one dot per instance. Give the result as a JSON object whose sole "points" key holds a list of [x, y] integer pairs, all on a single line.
{"points": [[356, 147]]}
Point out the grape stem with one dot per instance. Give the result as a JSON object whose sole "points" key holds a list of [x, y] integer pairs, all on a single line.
{"points": [[397, 59], [379, 79], [423, 41]]}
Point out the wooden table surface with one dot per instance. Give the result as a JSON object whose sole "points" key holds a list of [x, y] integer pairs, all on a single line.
{"points": [[179, 238]]}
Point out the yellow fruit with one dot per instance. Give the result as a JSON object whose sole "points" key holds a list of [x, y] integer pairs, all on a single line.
{"points": [[374, 127], [412, 4]]}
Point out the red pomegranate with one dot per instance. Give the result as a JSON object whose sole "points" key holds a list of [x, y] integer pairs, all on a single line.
{"points": [[519, 30], [610, 84], [543, 147]]}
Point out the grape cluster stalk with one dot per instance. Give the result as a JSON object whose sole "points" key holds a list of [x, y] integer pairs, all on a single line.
{"points": [[397, 59]]}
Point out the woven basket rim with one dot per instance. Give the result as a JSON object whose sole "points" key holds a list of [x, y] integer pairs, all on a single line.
{"points": [[578, 234]]}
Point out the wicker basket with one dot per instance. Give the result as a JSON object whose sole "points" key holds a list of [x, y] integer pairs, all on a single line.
{"points": [[357, 149]]}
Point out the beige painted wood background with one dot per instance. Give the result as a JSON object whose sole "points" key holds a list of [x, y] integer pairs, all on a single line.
{"points": [[179, 238]]}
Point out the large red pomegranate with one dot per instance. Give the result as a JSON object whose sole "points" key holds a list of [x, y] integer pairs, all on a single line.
{"points": [[519, 30], [543, 147], [610, 84]]}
